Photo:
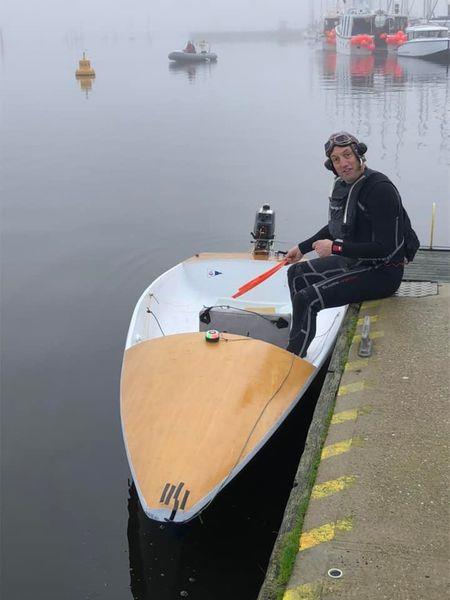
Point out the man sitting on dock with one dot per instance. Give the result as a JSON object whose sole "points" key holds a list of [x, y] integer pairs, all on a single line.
{"points": [[361, 249]]}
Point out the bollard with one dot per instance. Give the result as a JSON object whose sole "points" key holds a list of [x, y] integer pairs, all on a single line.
{"points": [[365, 345]]}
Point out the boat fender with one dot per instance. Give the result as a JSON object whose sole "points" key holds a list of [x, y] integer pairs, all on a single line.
{"points": [[212, 335], [281, 323], [205, 316]]}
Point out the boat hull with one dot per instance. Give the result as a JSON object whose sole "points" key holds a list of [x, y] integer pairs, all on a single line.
{"points": [[187, 57], [437, 49], [344, 46]]}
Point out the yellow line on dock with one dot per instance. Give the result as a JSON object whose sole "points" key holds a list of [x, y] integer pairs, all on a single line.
{"points": [[324, 533], [307, 591], [373, 336], [310, 591], [370, 304], [354, 365], [351, 387], [336, 449], [350, 415], [323, 490], [372, 318], [344, 415]]}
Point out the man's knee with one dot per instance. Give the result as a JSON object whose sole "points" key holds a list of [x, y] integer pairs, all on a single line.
{"points": [[295, 275], [291, 272], [304, 298]]}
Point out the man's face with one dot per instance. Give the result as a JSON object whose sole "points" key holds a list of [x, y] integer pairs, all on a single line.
{"points": [[346, 163]]}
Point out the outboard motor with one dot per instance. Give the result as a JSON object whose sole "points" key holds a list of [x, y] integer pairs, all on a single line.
{"points": [[264, 230]]}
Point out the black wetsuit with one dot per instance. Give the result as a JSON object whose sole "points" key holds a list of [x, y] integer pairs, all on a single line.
{"points": [[367, 260]]}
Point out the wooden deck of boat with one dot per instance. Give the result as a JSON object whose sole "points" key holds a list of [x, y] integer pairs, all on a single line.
{"points": [[428, 265], [192, 409], [205, 256]]}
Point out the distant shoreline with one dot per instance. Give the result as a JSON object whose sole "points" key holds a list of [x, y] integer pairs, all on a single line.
{"points": [[283, 34]]}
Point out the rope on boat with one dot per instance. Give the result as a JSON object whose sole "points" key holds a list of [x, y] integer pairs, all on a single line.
{"points": [[150, 312], [228, 477]]}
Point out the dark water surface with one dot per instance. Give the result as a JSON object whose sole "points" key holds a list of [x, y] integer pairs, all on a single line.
{"points": [[105, 188]]}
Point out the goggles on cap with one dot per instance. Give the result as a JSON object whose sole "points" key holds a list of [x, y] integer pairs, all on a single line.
{"points": [[339, 139]]}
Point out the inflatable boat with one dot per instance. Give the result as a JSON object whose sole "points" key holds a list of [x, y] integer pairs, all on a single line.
{"points": [[188, 57]]}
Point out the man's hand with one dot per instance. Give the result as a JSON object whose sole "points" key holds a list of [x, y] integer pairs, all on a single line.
{"points": [[323, 247], [294, 255]]}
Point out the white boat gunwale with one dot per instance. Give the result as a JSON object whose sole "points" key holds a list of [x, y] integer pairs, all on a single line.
{"points": [[255, 265]]}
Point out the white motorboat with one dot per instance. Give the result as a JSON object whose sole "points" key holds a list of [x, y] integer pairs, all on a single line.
{"points": [[197, 405], [427, 41]]}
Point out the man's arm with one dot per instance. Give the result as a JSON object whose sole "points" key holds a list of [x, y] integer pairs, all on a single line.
{"points": [[307, 245], [302, 248]]}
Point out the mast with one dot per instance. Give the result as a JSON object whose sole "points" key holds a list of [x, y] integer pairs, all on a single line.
{"points": [[311, 13], [429, 6], [361, 5]]}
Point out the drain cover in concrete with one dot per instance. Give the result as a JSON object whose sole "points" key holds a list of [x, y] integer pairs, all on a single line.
{"points": [[417, 289]]}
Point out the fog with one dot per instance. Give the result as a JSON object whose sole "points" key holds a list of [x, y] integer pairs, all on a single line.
{"points": [[156, 16], [167, 17]]}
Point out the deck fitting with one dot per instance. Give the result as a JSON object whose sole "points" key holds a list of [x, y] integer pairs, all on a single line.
{"points": [[365, 345]]}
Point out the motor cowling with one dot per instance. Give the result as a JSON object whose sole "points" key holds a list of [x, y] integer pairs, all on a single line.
{"points": [[264, 230]]}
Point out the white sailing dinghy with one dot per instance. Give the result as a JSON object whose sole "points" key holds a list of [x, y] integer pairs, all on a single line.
{"points": [[197, 406]]}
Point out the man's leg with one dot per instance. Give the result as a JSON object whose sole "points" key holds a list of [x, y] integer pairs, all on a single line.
{"points": [[302, 278], [305, 306], [308, 272], [353, 285]]}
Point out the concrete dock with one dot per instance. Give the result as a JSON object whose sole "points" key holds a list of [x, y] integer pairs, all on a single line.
{"points": [[376, 524]]}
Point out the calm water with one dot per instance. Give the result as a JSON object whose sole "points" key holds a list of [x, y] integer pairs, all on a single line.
{"points": [[105, 188]]}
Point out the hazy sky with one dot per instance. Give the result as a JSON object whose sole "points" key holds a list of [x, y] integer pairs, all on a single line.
{"points": [[166, 16], [160, 15]]}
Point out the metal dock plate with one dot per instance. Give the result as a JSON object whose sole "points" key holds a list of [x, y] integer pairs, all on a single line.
{"points": [[417, 289]]}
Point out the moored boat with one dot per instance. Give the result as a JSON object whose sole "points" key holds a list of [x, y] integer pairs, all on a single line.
{"points": [[186, 57], [329, 32], [428, 41], [206, 379], [194, 53], [361, 31]]}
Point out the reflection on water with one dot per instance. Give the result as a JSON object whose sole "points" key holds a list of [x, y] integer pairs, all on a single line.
{"points": [[85, 84], [192, 71], [363, 71], [157, 180], [384, 81]]}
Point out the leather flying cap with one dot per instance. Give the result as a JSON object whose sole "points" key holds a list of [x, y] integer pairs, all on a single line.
{"points": [[342, 138]]}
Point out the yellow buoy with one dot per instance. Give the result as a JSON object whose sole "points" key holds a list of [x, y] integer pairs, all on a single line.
{"points": [[84, 69]]}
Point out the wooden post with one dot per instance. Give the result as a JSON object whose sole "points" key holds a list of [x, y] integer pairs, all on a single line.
{"points": [[433, 219]]}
